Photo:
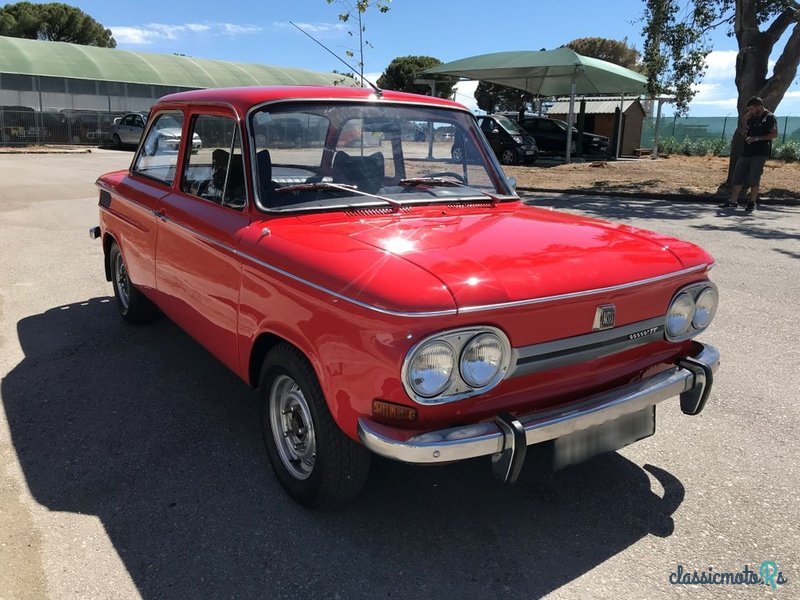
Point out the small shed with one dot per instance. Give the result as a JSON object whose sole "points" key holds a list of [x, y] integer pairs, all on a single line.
{"points": [[601, 119]]}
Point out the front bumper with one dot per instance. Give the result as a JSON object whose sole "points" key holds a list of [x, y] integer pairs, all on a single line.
{"points": [[507, 437]]}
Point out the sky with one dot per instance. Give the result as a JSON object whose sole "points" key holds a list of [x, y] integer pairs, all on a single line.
{"points": [[260, 32]]}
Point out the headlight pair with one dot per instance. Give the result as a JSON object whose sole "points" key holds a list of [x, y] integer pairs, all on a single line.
{"points": [[691, 311], [456, 364]]}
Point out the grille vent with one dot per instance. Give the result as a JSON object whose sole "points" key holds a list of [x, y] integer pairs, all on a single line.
{"points": [[369, 212], [105, 199]]}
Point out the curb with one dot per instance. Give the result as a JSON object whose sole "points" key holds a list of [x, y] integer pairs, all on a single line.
{"points": [[696, 198], [46, 151]]}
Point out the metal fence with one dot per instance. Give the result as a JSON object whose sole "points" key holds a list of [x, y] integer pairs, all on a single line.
{"points": [[711, 128], [20, 126]]}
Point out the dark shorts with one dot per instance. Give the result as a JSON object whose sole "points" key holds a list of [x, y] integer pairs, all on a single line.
{"points": [[748, 170]]}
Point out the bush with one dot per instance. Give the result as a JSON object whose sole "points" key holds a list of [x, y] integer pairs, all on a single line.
{"points": [[694, 146], [790, 151]]}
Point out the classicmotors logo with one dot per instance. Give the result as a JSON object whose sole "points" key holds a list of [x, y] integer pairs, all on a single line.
{"points": [[767, 573]]}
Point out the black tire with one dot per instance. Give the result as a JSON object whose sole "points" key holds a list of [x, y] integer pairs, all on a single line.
{"points": [[328, 468], [116, 142], [133, 306], [456, 154], [508, 157]]}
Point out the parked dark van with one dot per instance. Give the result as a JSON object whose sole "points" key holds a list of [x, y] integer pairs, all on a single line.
{"points": [[510, 142]]}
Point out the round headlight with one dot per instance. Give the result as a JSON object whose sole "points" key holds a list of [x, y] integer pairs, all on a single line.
{"points": [[680, 315], [481, 360], [431, 368], [705, 307]]}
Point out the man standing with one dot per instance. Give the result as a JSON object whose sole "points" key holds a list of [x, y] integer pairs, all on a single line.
{"points": [[761, 129]]}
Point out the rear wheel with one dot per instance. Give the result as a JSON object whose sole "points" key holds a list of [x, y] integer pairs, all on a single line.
{"points": [[133, 306], [314, 461], [116, 142]]}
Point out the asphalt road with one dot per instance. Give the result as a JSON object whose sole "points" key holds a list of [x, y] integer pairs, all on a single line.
{"points": [[131, 462]]}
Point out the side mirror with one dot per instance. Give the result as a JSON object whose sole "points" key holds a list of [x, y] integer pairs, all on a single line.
{"points": [[512, 181]]}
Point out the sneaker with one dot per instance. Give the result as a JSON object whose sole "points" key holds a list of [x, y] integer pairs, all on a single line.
{"points": [[751, 206], [729, 204]]}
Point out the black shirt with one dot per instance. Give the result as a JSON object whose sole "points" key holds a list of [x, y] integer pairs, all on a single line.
{"points": [[760, 125]]}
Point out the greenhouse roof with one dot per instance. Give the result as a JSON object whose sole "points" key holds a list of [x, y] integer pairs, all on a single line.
{"points": [[60, 59]]}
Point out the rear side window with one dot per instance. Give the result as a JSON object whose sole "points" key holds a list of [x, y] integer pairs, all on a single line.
{"points": [[214, 169], [158, 155]]}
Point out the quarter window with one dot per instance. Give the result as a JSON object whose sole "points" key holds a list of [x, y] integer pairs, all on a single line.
{"points": [[158, 155], [214, 169]]}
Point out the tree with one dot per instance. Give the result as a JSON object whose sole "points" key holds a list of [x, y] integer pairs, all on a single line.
{"points": [[676, 45], [613, 51], [402, 71], [54, 22], [356, 9], [493, 97]]}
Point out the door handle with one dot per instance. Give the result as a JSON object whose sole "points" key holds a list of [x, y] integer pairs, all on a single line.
{"points": [[160, 214]]}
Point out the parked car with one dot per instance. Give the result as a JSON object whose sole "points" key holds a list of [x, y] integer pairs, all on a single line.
{"points": [[551, 135], [510, 143], [128, 131], [384, 300]]}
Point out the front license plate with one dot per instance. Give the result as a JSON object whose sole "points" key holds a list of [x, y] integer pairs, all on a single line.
{"points": [[612, 435]]}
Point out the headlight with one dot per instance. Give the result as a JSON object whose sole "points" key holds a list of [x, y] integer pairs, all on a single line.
{"points": [[456, 364], [680, 315], [705, 307], [431, 368], [481, 360], [517, 138]]}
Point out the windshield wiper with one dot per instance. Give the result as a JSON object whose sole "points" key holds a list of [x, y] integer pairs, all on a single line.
{"points": [[445, 182], [340, 187]]}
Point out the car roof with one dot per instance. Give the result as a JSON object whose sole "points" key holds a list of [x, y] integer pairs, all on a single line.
{"points": [[243, 98]]}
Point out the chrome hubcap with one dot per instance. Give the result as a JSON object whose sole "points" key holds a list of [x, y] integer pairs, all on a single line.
{"points": [[123, 282], [292, 427]]}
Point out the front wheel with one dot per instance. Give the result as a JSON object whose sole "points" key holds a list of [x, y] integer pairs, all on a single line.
{"points": [[508, 157], [314, 461], [133, 306]]}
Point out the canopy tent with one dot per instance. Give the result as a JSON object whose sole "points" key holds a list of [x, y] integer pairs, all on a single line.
{"points": [[548, 73]]}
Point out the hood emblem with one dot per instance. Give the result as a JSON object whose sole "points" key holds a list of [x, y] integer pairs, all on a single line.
{"points": [[604, 317]]}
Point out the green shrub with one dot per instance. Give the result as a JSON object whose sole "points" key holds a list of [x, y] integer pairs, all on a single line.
{"points": [[790, 151], [694, 146]]}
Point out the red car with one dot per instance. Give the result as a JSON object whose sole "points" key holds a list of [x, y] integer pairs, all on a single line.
{"points": [[384, 297]]}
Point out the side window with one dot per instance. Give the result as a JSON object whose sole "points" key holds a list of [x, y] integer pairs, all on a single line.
{"points": [[214, 169], [158, 156]]}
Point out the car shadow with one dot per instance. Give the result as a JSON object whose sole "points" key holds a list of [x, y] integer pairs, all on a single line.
{"points": [[141, 427]]}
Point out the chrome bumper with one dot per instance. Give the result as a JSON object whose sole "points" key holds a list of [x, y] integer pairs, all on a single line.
{"points": [[691, 380]]}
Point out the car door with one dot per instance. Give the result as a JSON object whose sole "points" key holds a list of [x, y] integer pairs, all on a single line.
{"points": [[133, 208], [492, 132], [198, 271]]}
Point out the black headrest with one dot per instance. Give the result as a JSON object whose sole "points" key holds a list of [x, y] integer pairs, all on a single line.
{"points": [[264, 168], [365, 172]]}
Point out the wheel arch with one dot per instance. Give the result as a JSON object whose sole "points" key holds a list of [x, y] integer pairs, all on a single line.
{"points": [[266, 341], [108, 239]]}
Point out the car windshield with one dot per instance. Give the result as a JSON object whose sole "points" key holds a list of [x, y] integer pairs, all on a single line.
{"points": [[331, 155], [509, 125]]}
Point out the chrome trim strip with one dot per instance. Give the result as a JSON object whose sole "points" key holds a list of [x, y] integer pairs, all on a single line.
{"points": [[572, 295], [485, 438], [383, 311], [581, 348]]}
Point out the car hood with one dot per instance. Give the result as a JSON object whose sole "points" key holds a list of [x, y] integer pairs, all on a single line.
{"points": [[516, 252]]}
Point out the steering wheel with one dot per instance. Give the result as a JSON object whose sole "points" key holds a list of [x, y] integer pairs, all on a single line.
{"points": [[452, 174]]}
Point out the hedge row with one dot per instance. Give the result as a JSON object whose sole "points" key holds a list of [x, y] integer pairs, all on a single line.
{"points": [[789, 151]]}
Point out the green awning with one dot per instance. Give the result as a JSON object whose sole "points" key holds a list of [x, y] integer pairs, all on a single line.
{"points": [[547, 72], [60, 59]]}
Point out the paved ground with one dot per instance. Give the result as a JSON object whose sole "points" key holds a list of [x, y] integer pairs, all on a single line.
{"points": [[131, 464]]}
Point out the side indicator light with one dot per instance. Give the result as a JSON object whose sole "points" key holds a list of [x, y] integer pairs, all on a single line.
{"points": [[393, 412]]}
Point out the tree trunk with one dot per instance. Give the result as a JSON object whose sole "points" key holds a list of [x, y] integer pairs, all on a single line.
{"points": [[752, 65]]}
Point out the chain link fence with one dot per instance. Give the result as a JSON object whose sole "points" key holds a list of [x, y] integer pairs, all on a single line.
{"points": [[712, 135], [20, 126]]}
